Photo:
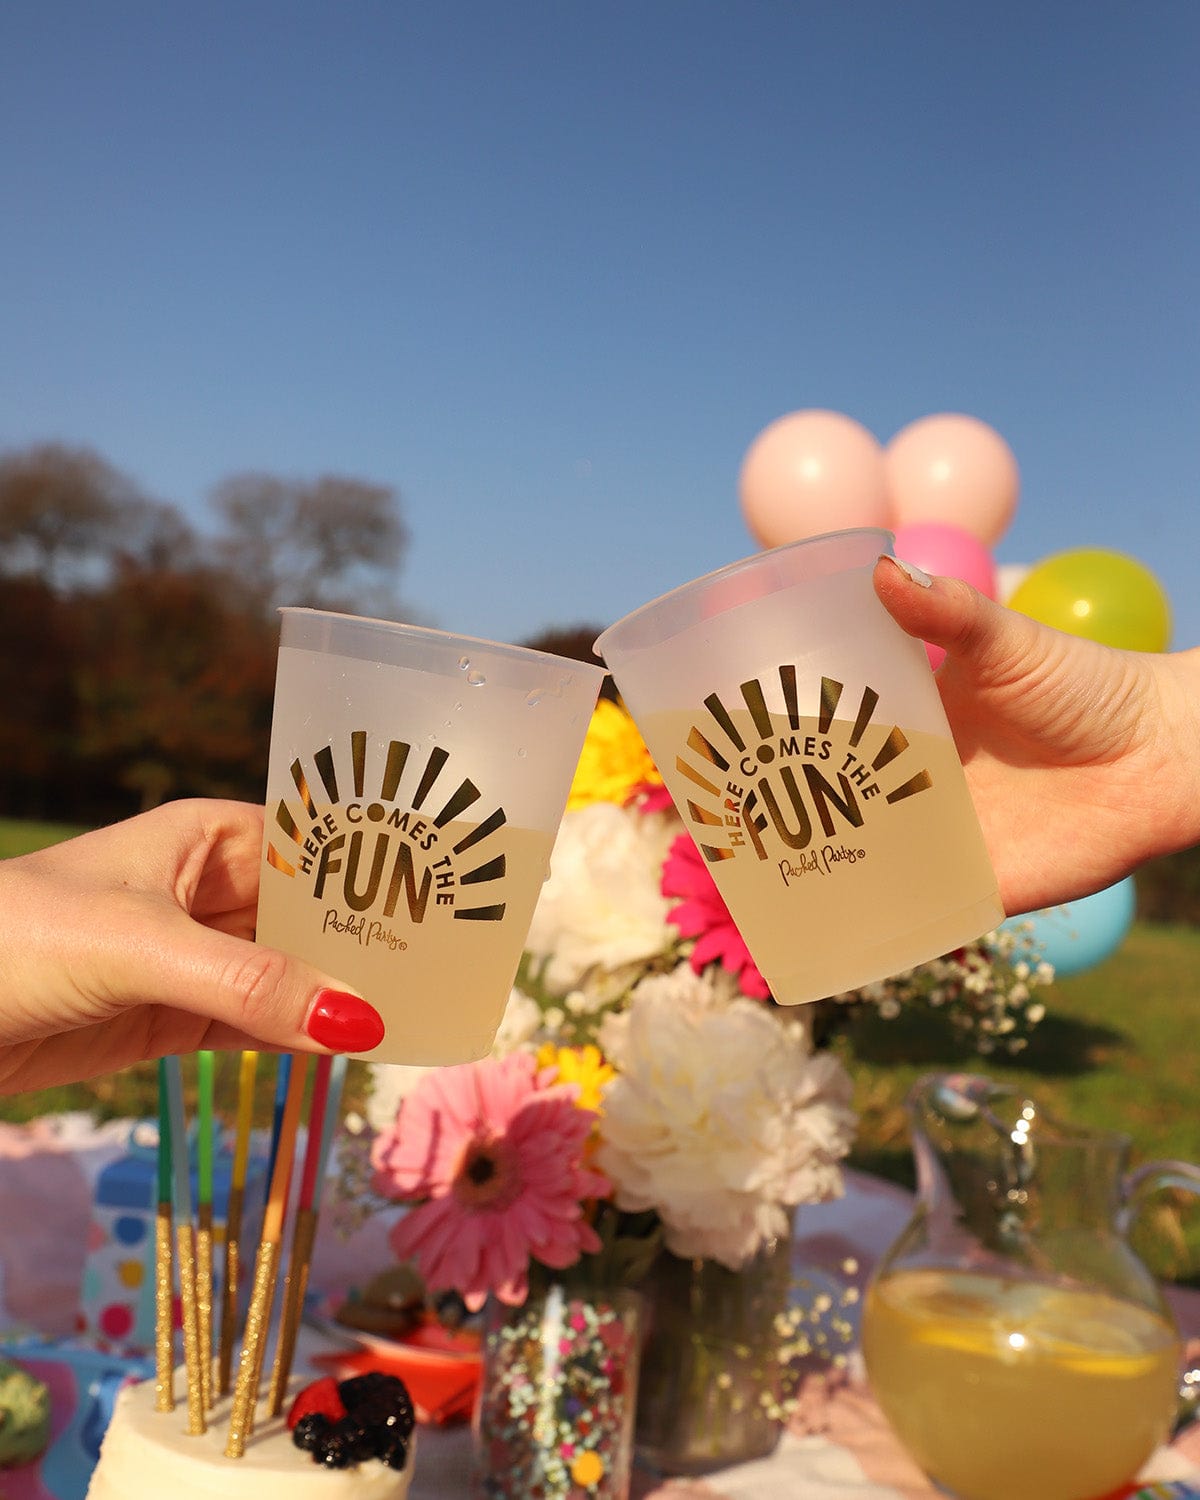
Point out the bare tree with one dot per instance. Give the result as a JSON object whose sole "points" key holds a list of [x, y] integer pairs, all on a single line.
{"points": [[332, 543], [57, 505], [69, 518], [152, 534]]}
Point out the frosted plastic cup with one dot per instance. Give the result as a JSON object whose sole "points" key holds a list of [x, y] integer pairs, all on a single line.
{"points": [[802, 738], [415, 785]]}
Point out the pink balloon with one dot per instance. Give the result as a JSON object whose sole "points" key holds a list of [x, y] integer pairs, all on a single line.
{"points": [[949, 550], [811, 472], [955, 469]]}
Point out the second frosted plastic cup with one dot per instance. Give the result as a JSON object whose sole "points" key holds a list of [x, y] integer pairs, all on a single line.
{"points": [[800, 733], [415, 785]]}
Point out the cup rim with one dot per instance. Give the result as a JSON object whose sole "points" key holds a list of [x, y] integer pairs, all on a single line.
{"points": [[445, 637], [753, 559]]}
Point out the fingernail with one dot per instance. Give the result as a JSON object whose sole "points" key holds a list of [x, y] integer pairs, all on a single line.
{"points": [[344, 1023], [909, 571]]}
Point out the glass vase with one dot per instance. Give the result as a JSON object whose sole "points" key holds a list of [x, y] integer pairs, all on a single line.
{"points": [[557, 1399], [712, 1369]]}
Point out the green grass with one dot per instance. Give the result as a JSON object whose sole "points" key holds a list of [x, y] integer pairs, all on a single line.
{"points": [[21, 838], [1118, 1049]]}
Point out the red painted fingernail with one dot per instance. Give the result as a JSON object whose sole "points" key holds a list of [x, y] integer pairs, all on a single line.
{"points": [[344, 1023]]}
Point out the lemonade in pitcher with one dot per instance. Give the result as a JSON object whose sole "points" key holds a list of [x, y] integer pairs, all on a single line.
{"points": [[1002, 1387], [1017, 1344]]}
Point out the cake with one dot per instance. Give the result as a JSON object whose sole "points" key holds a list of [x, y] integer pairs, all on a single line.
{"points": [[148, 1455]]}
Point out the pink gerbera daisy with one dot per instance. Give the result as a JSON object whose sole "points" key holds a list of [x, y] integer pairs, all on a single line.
{"points": [[494, 1155], [703, 915]]}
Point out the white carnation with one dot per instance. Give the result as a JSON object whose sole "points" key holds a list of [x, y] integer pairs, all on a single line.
{"points": [[602, 905], [687, 990], [719, 1118], [391, 1083], [519, 1024]]}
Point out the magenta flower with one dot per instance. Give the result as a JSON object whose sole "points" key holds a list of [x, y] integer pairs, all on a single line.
{"points": [[493, 1156], [703, 915], [651, 796]]}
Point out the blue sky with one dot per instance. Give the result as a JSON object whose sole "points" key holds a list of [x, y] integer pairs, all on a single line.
{"points": [[548, 268]]}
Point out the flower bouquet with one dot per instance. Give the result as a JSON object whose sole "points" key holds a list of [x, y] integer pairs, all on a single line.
{"points": [[648, 1112]]}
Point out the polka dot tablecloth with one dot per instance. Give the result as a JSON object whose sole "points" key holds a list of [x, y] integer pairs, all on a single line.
{"points": [[74, 1246]]}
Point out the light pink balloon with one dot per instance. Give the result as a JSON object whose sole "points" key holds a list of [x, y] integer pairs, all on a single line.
{"points": [[811, 472], [952, 468], [949, 550]]}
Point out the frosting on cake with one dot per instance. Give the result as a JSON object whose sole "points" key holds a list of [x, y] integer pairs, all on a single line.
{"points": [[148, 1455]]}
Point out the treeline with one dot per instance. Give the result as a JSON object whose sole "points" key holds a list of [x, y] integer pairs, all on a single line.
{"points": [[137, 654]]}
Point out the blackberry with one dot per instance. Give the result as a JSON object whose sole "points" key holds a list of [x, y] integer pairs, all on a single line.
{"points": [[379, 1401], [360, 1437], [310, 1432], [333, 1452], [394, 1452], [360, 1388]]}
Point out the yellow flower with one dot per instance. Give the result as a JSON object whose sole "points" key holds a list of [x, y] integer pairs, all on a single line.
{"points": [[581, 1065], [587, 1468], [614, 761]]}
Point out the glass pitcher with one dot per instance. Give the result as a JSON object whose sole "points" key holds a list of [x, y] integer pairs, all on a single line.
{"points": [[1015, 1342]]}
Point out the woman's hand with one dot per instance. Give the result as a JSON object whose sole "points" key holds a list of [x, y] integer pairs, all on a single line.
{"points": [[136, 941], [1083, 761]]}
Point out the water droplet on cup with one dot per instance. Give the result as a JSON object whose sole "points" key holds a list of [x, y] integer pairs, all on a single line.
{"points": [[476, 679], [521, 752], [463, 663], [533, 697]]}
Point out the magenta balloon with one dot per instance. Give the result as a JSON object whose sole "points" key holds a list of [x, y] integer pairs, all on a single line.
{"points": [[949, 550], [952, 552], [811, 472], [952, 468]]}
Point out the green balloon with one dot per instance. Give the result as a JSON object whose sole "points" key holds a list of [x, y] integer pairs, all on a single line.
{"points": [[1103, 596]]}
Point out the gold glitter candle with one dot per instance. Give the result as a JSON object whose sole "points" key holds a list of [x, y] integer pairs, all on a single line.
{"points": [[229, 1289], [186, 1247], [304, 1234], [204, 1299], [164, 1309], [245, 1394]]}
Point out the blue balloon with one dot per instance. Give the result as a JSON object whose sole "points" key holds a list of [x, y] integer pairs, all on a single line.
{"points": [[1080, 934]]}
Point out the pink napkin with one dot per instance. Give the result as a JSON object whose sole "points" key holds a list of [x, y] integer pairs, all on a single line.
{"points": [[47, 1201]]}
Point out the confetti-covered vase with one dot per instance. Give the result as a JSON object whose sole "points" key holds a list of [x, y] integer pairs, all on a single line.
{"points": [[557, 1400]]}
